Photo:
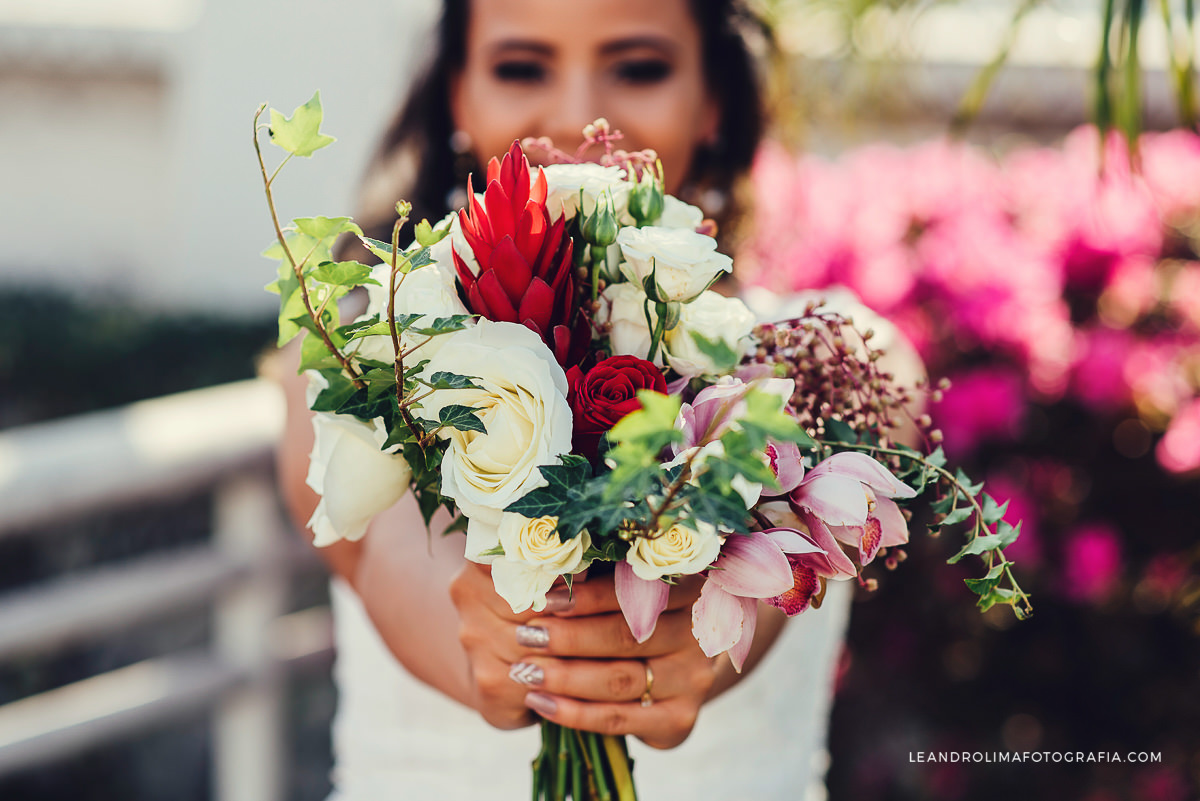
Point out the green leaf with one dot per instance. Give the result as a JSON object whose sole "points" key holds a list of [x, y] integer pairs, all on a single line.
{"points": [[764, 413], [340, 390], [315, 356], [956, 516], [344, 273], [983, 586], [1007, 534], [724, 358], [426, 235], [965, 480], [300, 133], [977, 546], [325, 227], [444, 325], [840, 431], [463, 418], [375, 327], [656, 417], [444, 380], [993, 512]]}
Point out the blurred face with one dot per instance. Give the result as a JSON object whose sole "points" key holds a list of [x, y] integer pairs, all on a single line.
{"points": [[550, 67]]}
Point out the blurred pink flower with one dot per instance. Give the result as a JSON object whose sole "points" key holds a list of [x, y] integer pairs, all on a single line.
{"points": [[1091, 563], [982, 405], [1021, 508], [1179, 449], [1098, 374]]}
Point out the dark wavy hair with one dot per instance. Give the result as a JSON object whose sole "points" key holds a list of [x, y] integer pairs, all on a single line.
{"points": [[415, 161]]}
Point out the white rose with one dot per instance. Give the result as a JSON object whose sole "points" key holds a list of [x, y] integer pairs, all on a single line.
{"points": [[431, 289], [355, 479], [623, 308], [676, 552], [563, 182], [711, 315], [522, 401], [684, 263], [677, 214], [534, 557]]}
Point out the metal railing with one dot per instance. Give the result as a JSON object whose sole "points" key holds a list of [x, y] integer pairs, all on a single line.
{"points": [[217, 439]]}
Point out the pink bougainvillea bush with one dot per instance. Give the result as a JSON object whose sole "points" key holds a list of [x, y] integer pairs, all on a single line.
{"points": [[1058, 288]]}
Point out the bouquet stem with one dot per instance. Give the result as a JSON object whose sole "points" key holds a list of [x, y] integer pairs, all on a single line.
{"points": [[582, 766]]}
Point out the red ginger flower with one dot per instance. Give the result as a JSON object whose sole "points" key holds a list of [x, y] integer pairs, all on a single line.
{"points": [[524, 260]]}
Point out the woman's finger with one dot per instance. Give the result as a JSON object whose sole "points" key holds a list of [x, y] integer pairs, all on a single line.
{"points": [[613, 680], [664, 724], [598, 596], [604, 636]]}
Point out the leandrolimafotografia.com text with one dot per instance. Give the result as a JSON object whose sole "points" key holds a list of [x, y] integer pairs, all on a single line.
{"points": [[1021, 757]]}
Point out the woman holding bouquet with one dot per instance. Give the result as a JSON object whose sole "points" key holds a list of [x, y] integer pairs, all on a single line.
{"points": [[425, 645]]}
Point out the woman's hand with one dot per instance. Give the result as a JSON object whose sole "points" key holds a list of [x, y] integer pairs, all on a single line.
{"points": [[577, 664]]}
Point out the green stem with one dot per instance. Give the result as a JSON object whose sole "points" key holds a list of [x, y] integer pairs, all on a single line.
{"points": [[560, 776], [618, 758], [958, 488], [600, 766], [599, 257], [575, 760], [297, 266], [658, 327]]}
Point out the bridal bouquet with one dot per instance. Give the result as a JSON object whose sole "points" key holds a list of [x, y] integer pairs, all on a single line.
{"points": [[552, 365]]}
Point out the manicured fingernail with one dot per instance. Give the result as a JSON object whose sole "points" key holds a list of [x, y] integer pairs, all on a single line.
{"points": [[527, 674], [542, 704], [532, 636], [559, 600]]}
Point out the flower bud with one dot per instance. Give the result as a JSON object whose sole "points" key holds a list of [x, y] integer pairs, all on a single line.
{"points": [[646, 200], [600, 227]]}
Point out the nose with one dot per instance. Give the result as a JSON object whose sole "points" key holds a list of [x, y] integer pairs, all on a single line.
{"points": [[576, 103]]}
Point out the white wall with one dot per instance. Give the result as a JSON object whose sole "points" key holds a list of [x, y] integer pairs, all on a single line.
{"points": [[126, 163]]}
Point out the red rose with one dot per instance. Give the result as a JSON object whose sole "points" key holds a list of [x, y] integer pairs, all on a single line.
{"points": [[606, 393]]}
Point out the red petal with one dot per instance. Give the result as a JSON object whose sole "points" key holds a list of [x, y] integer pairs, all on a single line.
{"points": [[499, 211], [511, 268], [517, 186], [492, 298], [562, 344], [539, 190], [551, 245], [464, 272], [799, 597], [493, 171], [868, 544], [480, 218], [538, 304], [531, 231]]}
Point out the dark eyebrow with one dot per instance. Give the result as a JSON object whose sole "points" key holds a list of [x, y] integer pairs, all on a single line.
{"points": [[522, 45], [663, 43]]}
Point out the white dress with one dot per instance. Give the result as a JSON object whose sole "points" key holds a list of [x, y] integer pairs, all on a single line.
{"points": [[395, 739]]}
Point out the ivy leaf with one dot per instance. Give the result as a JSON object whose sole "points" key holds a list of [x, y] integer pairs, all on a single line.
{"points": [[315, 356], [840, 431], [957, 515], [344, 273], [993, 512], [965, 481], [984, 586], [1007, 533], [463, 418], [764, 413], [426, 235], [340, 390], [444, 380], [300, 133], [324, 227], [977, 546], [376, 327], [444, 325], [723, 357]]}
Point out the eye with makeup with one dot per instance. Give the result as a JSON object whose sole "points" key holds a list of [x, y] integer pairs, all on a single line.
{"points": [[643, 71], [519, 71]]}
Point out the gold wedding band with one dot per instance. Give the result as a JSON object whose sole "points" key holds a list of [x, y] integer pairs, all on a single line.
{"points": [[646, 699]]}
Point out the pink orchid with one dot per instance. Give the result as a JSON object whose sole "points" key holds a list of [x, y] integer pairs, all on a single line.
{"points": [[851, 494], [751, 567], [717, 408]]}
